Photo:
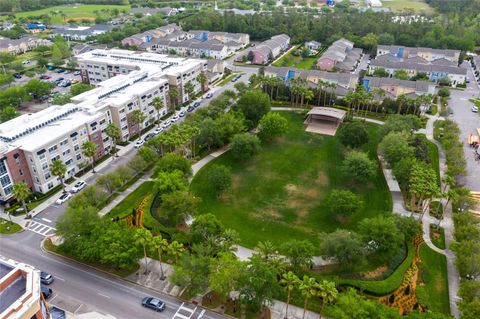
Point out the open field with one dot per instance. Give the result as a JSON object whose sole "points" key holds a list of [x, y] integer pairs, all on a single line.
{"points": [[72, 12], [296, 61], [281, 193], [399, 5]]}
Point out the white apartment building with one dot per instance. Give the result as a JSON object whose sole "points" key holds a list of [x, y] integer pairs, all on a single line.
{"points": [[126, 81]]}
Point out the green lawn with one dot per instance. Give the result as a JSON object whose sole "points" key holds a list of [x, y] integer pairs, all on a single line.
{"points": [[133, 199], [400, 5], [280, 194], [437, 236], [296, 61], [72, 12], [227, 79], [435, 162], [432, 290], [13, 227]]}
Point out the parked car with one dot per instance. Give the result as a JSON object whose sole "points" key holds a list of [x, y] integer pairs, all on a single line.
{"points": [[78, 186], [139, 143], [45, 77], [76, 73], [209, 95], [149, 136], [196, 104], [166, 124], [46, 292], [182, 113], [475, 109], [17, 76], [58, 80], [46, 278], [75, 81], [50, 67], [191, 108], [158, 130], [63, 198], [175, 118], [43, 98], [60, 70], [26, 62], [153, 303]]}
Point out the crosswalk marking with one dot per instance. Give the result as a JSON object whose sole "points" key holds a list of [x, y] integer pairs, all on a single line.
{"points": [[40, 228]]}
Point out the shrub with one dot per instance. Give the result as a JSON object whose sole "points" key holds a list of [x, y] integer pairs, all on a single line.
{"points": [[244, 146], [353, 134]]}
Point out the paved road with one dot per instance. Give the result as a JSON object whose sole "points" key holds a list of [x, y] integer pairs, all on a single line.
{"points": [[77, 286], [468, 123]]}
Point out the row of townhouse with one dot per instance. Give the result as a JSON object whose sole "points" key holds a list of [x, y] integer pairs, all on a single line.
{"points": [[476, 67], [22, 45], [343, 82], [428, 54], [340, 55], [266, 51], [29, 143], [434, 70], [196, 43], [393, 88], [78, 33]]}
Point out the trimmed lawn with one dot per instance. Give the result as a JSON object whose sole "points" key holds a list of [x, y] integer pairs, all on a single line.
{"points": [[72, 12], [280, 194], [130, 202], [296, 61], [14, 228], [437, 235], [400, 5], [227, 79], [433, 152], [432, 289]]}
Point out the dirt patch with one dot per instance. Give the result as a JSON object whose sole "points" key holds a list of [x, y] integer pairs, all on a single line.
{"points": [[322, 179], [291, 189], [311, 193], [375, 273], [267, 213], [236, 180]]}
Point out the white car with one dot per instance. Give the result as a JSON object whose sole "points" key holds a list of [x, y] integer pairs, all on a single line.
{"points": [[139, 143], [175, 118], [166, 124], [26, 62], [78, 186], [63, 198], [209, 95], [475, 109], [158, 130], [182, 113]]}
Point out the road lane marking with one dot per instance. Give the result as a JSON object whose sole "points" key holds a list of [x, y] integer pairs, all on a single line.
{"points": [[47, 220], [105, 296], [59, 278]]}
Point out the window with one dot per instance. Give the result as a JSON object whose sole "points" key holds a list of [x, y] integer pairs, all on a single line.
{"points": [[20, 172], [56, 158], [44, 166], [52, 149], [69, 162], [3, 168], [5, 180], [8, 190], [102, 122], [78, 157], [50, 185], [41, 157], [76, 147], [17, 159], [47, 175], [37, 180], [64, 142], [66, 152]]}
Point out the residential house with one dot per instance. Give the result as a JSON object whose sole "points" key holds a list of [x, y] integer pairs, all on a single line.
{"points": [[22, 45], [79, 33], [313, 45], [476, 66], [340, 55], [167, 11], [343, 82], [394, 87], [428, 54], [268, 50], [434, 72]]}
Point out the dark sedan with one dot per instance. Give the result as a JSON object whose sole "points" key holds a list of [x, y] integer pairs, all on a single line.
{"points": [[153, 303]]}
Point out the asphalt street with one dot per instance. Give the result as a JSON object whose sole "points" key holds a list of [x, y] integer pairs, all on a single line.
{"points": [[78, 287], [468, 122]]}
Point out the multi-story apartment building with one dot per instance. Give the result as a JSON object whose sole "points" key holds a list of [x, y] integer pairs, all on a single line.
{"points": [[20, 293], [125, 81]]}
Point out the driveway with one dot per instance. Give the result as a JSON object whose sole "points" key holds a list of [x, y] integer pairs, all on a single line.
{"points": [[468, 123]]}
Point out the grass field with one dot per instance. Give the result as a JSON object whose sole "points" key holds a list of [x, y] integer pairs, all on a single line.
{"points": [[13, 227], [71, 12], [296, 61], [280, 194], [432, 291], [399, 5]]}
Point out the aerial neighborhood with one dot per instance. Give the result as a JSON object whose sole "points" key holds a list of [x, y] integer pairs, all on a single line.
{"points": [[239, 159]]}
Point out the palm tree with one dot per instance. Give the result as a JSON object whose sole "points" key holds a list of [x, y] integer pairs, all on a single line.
{"points": [[333, 86], [321, 83], [266, 250], [202, 79], [89, 149], [189, 88], [21, 191], [289, 281], [137, 117], [309, 96], [161, 245], [176, 249], [401, 100], [173, 93], [308, 288], [158, 106], [143, 237], [327, 292], [447, 181], [58, 169], [115, 134], [63, 15]]}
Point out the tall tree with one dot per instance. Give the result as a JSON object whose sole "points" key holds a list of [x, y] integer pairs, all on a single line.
{"points": [[189, 88], [58, 169], [327, 292], [174, 95], [158, 106], [309, 288], [137, 117], [21, 191], [225, 274], [89, 149], [202, 79], [143, 237], [289, 281], [161, 245], [176, 249], [115, 134]]}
